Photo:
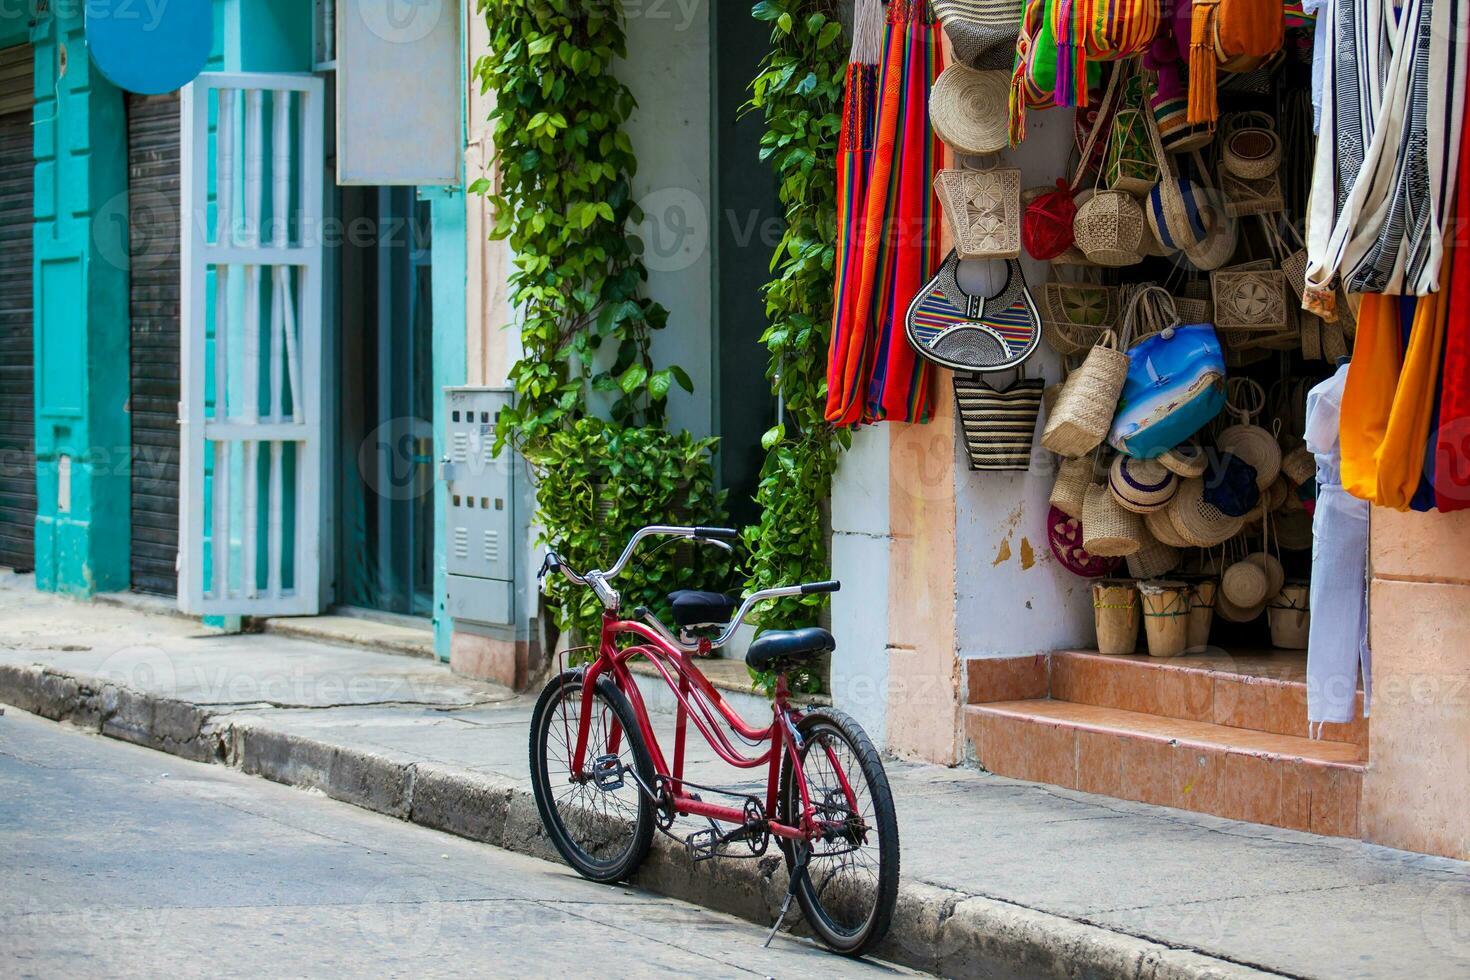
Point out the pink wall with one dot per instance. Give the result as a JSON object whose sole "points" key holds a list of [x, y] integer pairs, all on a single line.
{"points": [[1416, 794]]}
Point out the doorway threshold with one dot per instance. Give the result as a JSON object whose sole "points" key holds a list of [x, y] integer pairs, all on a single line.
{"points": [[364, 629]]}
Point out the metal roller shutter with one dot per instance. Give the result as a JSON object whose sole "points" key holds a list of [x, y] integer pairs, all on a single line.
{"points": [[153, 227], [17, 350]]}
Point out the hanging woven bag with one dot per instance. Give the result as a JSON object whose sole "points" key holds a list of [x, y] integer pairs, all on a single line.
{"points": [[1118, 29], [999, 424], [1084, 411], [1074, 476], [1231, 33], [1108, 529]]}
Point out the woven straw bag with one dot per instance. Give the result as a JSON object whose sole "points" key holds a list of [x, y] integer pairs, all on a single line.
{"points": [[968, 109], [1250, 299], [1084, 410], [1176, 224], [1249, 146], [1244, 196], [1109, 229], [1074, 315], [998, 423], [982, 33], [1246, 440], [983, 208], [1074, 476], [1153, 558], [1299, 465], [1244, 584], [1108, 530], [1130, 165]]}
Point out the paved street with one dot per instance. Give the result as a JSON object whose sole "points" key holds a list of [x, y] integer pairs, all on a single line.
{"points": [[119, 861]]}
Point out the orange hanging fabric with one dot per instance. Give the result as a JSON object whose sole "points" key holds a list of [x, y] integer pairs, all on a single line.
{"points": [[1367, 398], [1401, 458]]}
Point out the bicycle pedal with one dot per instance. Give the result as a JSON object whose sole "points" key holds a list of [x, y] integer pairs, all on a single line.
{"points": [[703, 845], [607, 773]]}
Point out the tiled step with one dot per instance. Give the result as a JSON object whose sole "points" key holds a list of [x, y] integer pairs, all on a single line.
{"points": [[1264, 691], [1281, 780]]}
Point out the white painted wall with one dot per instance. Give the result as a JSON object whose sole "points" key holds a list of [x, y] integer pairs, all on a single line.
{"points": [[860, 541], [1013, 597], [668, 71]]}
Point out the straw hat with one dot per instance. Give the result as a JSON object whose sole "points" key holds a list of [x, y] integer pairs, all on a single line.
{"points": [[1162, 528], [1256, 446], [1142, 485], [1245, 584], [1187, 460], [969, 109], [1198, 522]]}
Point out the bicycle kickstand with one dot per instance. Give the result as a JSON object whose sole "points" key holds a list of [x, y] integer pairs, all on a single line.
{"points": [[798, 872]]}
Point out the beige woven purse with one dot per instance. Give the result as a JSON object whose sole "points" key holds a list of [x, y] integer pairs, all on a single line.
{"points": [[1084, 410], [1074, 315], [983, 208]]}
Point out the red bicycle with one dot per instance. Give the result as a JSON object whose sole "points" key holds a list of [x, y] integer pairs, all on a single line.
{"points": [[603, 783]]}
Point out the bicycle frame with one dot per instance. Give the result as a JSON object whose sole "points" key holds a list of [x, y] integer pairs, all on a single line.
{"points": [[701, 702]]}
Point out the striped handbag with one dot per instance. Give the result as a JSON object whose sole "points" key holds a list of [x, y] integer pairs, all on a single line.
{"points": [[999, 423]]}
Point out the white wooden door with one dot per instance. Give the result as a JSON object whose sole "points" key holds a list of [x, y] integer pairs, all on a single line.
{"points": [[250, 503]]}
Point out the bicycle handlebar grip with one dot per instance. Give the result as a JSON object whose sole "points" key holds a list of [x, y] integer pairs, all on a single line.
{"points": [[718, 533], [813, 588]]}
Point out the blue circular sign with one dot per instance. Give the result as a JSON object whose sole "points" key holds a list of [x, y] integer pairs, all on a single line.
{"points": [[147, 46]]}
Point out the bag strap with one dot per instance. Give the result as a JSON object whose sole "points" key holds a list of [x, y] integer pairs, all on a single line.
{"points": [[1104, 111], [1168, 176]]}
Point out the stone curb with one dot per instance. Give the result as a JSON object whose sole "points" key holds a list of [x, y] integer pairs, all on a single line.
{"points": [[934, 929]]}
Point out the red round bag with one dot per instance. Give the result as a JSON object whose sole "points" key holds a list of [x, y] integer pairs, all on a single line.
{"points": [[1046, 227], [1064, 534]]}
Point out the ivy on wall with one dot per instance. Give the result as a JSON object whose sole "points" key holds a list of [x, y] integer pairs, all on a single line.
{"points": [[799, 92], [563, 200]]}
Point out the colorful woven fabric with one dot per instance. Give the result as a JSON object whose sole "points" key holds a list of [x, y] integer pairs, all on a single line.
{"points": [[888, 241], [1451, 469]]}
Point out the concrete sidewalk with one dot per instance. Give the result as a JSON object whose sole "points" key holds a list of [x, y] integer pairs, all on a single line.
{"points": [[1001, 878]]}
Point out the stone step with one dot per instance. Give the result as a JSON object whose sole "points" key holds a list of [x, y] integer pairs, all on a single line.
{"points": [[1263, 691], [1274, 779]]}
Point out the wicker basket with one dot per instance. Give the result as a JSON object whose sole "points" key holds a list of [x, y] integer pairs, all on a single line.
{"points": [[1271, 567], [1115, 614], [983, 208], [1246, 440], [1084, 410], [1153, 558], [1074, 476], [1109, 229], [1244, 196], [1249, 146], [1295, 268], [1075, 314], [1108, 530]]}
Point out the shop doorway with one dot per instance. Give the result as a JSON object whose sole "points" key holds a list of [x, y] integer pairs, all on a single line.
{"points": [[386, 390], [17, 338], [153, 309]]}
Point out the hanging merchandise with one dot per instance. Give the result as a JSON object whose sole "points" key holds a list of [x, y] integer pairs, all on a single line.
{"points": [[1169, 101], [983, 208], [886, 249], [951, 328], [1173, 386], [1187, 460], [1244, 439], [1231, 488], [998, 423], [1074, 315], [1386, 161], [1234, 34], [1034, 71], [1064, 535], [1153, 559], [1338, 648], [1089, 31], [1141, 485], [982, 33], [1199, 522], [967, 110], [1109, 529], [1249, 146], [1110, 229], [1130, 164], [1079, 422], [1074, 476]]}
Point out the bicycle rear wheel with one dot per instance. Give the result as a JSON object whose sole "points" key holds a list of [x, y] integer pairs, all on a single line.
{"points": [[850, 885], [602, 827]]}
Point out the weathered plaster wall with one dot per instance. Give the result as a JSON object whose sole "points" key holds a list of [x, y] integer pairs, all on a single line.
{"points": [[1416, 794], [1012, 597], [861, 540]]}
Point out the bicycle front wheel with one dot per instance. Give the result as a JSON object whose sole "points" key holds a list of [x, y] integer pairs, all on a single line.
{"points": [[850, 884], [601, 824]]}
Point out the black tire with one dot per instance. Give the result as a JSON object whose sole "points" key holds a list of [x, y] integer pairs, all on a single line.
{"points": [[853, 919], [604, 835]]}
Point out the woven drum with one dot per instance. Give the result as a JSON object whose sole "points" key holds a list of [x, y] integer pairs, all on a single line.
{"points": [[1165, 617], [1115, 615], [1290, 616], [983, 208], [1085, 408], [969, 109], [1153, 558], [1201, 614], [1195, 520], [1141, 485], [1074, 476], [1074, 315], [1109, 229], [999, 423], [1108, 530]]}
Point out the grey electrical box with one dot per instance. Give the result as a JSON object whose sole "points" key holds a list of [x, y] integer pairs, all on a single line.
{"points": [[482, 509]]}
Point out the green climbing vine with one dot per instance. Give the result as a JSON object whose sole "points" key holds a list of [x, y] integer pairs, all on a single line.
{"points": [[590, 407], [799, 91]]}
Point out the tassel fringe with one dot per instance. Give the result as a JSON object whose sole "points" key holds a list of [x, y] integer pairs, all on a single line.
{"points": [[1203, 106]]}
